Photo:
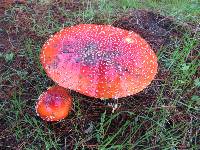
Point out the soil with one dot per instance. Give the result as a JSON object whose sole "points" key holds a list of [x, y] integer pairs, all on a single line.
{"points": [[158, 30]]}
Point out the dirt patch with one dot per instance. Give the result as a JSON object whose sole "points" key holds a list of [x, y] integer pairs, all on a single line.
{"points": [[156, 29], [9, 46]]}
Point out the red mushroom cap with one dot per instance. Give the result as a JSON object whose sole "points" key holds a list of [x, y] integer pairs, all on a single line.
{"points": [[54, 104], [99, 60]]}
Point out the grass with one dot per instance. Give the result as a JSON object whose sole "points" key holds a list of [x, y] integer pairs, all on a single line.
{"points": [[182, 10], [172, 122]]}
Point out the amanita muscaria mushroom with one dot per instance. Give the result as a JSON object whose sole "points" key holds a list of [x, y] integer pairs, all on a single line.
{"points": [[100, 61], [54, 104]]}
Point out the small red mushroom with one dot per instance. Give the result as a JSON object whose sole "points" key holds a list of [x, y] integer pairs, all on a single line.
{"points": [[99, 60], [54, 104]]}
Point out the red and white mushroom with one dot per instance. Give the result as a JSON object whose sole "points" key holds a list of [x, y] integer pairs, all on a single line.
{"points": [[54, 104], [99, 60]]}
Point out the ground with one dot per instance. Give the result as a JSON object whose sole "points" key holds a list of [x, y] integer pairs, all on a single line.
{"points": [[165, 115]]}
